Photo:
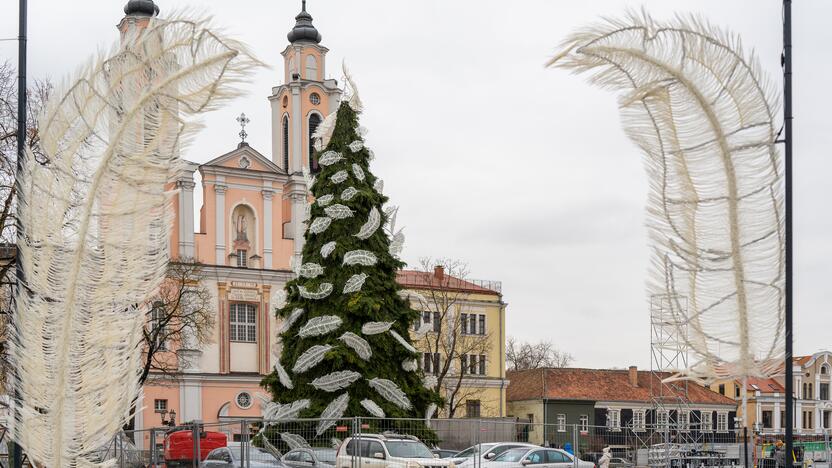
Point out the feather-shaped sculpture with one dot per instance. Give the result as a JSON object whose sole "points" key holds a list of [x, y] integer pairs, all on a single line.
{"points": [[279, 298], [372, 407], [430, 411], [308, 178], [402, 341], [354, 99], [348, 193], [311, 358], [338, 211], [375, 328], [329, 158], [332, 412], [325, 200], [410, 365], [268, 445], [703, 114], [369, 228], [354, 283], [335, 381], [430, 381], [97, 220], [358, 172], [320, 224], [357, 344], [391, 392], [324, 290], [282, 375], [335, 443], [413, 296], [310, 270], [318, 326], [360, 257], [370, 154], [293, 317], [294, 441], [339, 176], [378, 185], [324, 131], [289, 411], [396, 244], [327, 248], [356, 146]]}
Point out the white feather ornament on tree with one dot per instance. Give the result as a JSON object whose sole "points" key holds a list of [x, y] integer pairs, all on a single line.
{"points": [[378, 186], [97, 220], [372, 407], [320, 224], [324, 131], [279, 298], [332, 412], [329, 158], [335, 443], [430, 411], [704, 116], [357, 344], [287, 324], [403, 342], [325, 200], [311, 358], [430, 382], [358, 172], [348, 193], [355, 283], [356, 146], [291, 410], [318, 326], [308, 178], [294, 441], [396, 244], [339, 176], [370, 154], [375, 328], [338, 211], [413, 296], [360, 257], [390, 392], [362, 131], [410, 365], [354, 99], [282, 376], [336, 381], [324, 290], [370, 227], [327, 248], [310, 270]]}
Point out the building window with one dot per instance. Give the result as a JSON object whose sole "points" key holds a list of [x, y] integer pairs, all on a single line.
{"points": [[614, 419], [472, 324], [767, 419], [463, 363], [472, 408], [315, 99], [683, 421], [722, 389], [638, 421], [311, 68], [472, 364], [824, 369], [583, 422], [482, 364], [807, 420], [244, 400], [826, 417], [242, 258], [160, 406], [530, 416], [736, 391], [707, 421], [431, 363], [314, 121], [722, 422], [158, 329], [437, 323], [463, 323], [561, 422], [482, 324], [823, 391], [243, 318], [286, 143], [662, 419]]}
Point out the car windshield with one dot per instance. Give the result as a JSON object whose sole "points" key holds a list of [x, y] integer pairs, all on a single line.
{"points": [[472, 451], [255, 454], [513, 455], [499, 449], [325, 455], [408, 449]]}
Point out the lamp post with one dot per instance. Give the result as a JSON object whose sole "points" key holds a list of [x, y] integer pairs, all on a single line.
{"points": [[168, 422]]}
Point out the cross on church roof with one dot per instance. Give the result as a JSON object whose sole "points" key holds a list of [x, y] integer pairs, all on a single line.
{"points": [[243, 120]]}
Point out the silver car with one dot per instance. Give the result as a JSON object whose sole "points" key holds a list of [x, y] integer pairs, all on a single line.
{"points": [[231, 457], [537, 457], [309, 457], [485, 452]]}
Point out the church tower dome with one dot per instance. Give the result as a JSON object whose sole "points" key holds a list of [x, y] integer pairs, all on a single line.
{"points": [[304, 30], [141, 8]]}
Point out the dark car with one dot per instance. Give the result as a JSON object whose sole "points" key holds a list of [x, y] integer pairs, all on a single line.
{"points": [[309, 457], [442, 453]]}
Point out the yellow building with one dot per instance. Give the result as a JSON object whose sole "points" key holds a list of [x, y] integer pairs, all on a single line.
{"points": [[461, 335]]}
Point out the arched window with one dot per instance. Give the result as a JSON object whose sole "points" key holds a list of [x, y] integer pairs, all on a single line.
{"points": [[286, 143], [314, 121], [311, 68]]}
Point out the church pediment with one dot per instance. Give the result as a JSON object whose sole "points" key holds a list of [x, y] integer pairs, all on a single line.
{"points": [[245, 158]]}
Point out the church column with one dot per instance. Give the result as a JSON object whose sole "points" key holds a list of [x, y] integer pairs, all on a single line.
{"points": [[186, 218], [220, 221], [268, 230], [263, 341], [778, 424], [297, 138], [223, 326], [298, 217]]}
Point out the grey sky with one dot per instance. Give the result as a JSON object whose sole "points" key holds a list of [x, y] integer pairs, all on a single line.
{"points": [[523, 172]]}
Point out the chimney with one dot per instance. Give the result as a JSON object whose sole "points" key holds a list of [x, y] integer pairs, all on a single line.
{"points": [[439, 272], [633, 374]]}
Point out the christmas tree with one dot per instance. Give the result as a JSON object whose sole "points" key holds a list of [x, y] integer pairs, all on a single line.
{"points": [[346, 350]]}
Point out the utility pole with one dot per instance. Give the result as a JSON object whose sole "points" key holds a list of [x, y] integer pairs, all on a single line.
{"points": [[787, 121]]}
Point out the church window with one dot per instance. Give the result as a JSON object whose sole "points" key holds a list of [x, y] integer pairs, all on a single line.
{"points": [[315, 99], [314, 121], [311, 68], [242, 260], [286, 143], [243, 323], [285, 101]]}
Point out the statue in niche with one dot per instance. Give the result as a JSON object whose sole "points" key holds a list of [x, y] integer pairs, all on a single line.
{"points": [[242, 227]]}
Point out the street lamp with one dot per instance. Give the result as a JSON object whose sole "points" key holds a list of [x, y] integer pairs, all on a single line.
{"points": [[168, 422]]}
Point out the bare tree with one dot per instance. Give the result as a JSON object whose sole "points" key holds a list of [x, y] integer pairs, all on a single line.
{"points": [[446, 336], [525, 355], [182, 317]]}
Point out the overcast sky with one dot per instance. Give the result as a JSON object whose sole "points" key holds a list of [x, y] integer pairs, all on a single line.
{"points": [[521, 171]]}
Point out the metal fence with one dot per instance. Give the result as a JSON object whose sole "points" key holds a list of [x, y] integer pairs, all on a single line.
{"points": [[315, 443]]}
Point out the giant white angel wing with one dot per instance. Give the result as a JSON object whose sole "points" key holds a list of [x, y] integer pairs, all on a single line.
{"points": [[703, 114], [96, 220]]}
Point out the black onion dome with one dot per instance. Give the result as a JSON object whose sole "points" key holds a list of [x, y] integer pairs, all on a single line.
{"points": [[141, 8], [304, 30]]}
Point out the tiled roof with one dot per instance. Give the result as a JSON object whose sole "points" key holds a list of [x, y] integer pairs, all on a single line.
{"points": [[415, 279], [763, 385], [599, 385]]}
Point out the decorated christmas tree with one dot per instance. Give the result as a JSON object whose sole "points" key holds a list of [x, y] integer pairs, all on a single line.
{"points": [[345, 346]]}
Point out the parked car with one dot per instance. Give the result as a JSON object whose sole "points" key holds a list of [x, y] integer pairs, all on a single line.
{"points": [[617, 462], [442, 453], [309, 457], [387, 451], [485, 452], [539, 457], [232, 457]]}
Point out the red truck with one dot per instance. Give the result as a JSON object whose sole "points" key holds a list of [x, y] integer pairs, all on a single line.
{"points": [[179, 446]]}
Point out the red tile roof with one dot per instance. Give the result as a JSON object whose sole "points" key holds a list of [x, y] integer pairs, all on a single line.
{"points": [[763, 385], [600, 385], [414, 279]]}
